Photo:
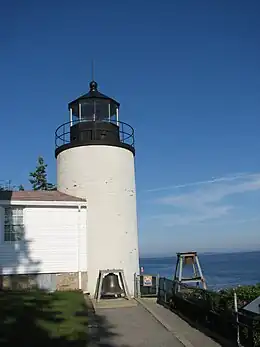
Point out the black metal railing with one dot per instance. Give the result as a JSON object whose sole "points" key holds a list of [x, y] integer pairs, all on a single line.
{"points": [[206, 309], [63, 132]]}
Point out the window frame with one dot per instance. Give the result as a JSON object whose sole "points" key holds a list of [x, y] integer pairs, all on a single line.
{"points": [[13, 221]]}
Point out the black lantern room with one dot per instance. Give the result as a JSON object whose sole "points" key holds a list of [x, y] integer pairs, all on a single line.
{"points": [[94, 106], [94, 120]]}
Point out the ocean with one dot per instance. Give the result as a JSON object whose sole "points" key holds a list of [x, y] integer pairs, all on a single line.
{"points": [[220, 270]]}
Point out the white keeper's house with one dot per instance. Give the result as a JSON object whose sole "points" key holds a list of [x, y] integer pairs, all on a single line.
{"points": [[62, 239]]}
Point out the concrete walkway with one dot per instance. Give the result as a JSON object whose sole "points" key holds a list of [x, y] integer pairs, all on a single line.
{"points": [[189, 336], [131, 327], [144, 324]]}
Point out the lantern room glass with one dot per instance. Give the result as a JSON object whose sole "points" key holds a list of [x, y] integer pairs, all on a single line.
{"points": [[94, 110]]}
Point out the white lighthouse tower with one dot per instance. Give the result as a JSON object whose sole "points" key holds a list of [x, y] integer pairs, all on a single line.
{"points": [[95, 161]]}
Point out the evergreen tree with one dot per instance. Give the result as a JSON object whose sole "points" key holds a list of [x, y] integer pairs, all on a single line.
{"points": [[21, 187], [51, 186], [38, 178]]}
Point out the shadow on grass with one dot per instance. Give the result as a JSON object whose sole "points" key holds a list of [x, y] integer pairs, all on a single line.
{"points": [[37, 318]]}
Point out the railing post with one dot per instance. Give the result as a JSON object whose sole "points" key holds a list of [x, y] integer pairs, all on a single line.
{"points": [[135, 287], [138, 289], [157, 285], [63, 133], [164, 289], [251, 333]]}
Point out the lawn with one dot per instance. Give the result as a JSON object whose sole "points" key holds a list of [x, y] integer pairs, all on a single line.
{"points": [[42, 319]]}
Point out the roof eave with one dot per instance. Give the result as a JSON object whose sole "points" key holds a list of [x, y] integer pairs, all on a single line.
{"points": [[85, 97], [56, 203]]}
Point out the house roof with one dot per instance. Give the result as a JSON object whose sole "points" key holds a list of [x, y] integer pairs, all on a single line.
{"points": [[37, 195], [253, 306]]}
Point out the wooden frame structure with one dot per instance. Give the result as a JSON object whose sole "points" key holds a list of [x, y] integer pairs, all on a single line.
{"points": [[189, 258]]}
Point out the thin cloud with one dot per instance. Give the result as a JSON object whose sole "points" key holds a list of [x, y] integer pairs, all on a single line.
{"points": [[227, 178], [193, 217], [206, 201], [237, 221], [213, 193]]}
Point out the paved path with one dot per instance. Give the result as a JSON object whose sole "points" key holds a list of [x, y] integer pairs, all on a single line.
{"points": [[131, 327], [146, 324], [189, 336]]}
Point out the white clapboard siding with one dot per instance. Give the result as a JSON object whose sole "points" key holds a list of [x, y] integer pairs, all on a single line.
{"points": [[55, 241]]}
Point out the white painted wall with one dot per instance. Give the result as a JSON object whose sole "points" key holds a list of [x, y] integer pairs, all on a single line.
{"points": [[105, 176], [55, 236]]}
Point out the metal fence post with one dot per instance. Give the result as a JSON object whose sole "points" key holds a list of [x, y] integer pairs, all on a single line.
{"points": [[157, 285], [138, 286], [164, 289]]}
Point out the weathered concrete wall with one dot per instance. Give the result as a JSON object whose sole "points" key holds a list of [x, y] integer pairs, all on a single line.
{"points": [[67, 281], [18, 282], [63, 281]]}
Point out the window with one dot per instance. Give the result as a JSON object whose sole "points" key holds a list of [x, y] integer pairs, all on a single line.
{"points": [[14, 227]]}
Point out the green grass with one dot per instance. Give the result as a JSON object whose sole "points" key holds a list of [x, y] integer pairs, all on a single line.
{"points": [[42, 319]]}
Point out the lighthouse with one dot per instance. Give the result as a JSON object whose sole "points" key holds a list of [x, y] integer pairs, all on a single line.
{"points": [[95, 161]]}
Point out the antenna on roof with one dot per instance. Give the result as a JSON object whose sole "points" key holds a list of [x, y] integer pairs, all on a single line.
{"points": [[92, 69]]}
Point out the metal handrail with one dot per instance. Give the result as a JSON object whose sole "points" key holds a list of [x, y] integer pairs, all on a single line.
{"points": [[222, 321], [62, 133]]}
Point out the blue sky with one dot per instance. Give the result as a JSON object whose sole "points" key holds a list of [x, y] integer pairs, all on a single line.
{"points": [[187, 76]]}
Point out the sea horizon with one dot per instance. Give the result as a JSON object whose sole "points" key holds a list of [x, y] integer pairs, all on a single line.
{"points": [[221, 270], [224, 252]]}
